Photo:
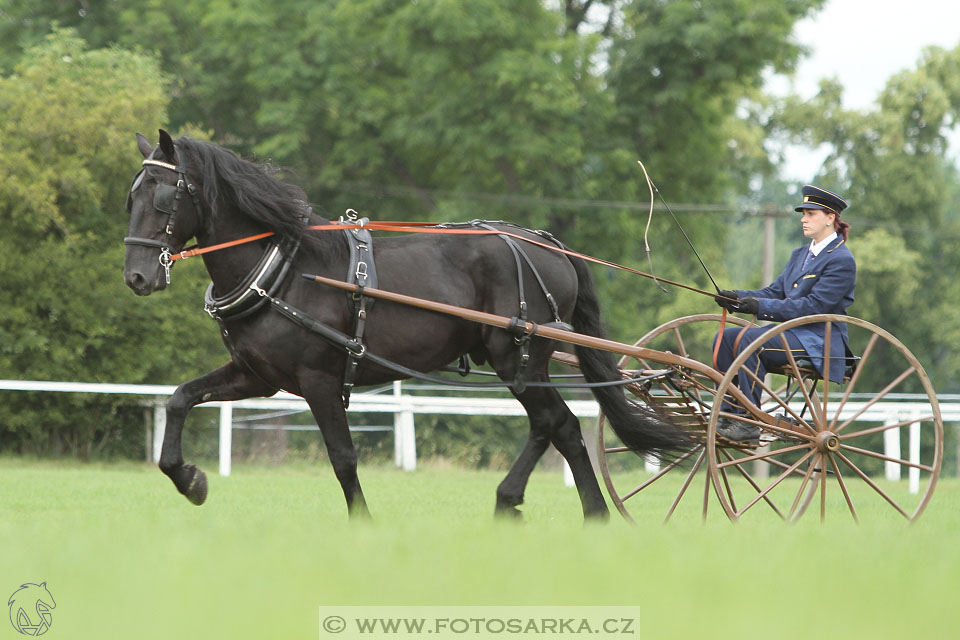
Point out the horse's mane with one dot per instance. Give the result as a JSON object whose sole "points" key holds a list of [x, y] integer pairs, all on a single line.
{"points": [[251, 188]]}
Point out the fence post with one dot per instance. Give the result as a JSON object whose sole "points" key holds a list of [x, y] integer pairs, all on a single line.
{"points": [[159, 427], [226, 437], [148, 435], [397, 448], [891, 447], [913, 473], [404, 434]]}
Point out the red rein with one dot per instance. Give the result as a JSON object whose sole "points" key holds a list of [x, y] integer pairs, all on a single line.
{"points": [[427, 227]]}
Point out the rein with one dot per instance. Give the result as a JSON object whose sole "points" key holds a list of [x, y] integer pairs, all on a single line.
{"points": [[428, 227]]}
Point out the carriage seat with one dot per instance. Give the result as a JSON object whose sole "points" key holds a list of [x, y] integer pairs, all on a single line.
{"points": [[809, 372]]}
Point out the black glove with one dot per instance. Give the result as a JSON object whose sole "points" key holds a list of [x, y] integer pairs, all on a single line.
{"points": [[749, 306], [729, 305]]}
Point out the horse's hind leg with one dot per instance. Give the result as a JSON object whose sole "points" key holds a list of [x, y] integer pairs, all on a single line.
{"points": [[229, 382], [510, 491], [550, 417]]}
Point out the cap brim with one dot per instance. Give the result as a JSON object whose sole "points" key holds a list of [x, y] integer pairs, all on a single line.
{"points": [[814, 205]]}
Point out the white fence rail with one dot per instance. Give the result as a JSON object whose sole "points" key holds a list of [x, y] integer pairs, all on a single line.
{"points": [[404, 407]]}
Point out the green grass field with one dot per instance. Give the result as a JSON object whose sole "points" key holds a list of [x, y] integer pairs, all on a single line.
{"points": [[126, 556]]}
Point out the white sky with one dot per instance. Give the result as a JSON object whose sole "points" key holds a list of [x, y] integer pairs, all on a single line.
{"points": [[863, 43]]}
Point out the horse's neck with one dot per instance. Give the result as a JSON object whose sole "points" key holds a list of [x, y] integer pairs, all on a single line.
{"points": [[230, 266]]}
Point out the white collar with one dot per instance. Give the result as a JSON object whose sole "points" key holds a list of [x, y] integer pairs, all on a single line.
{"points": [[817, 247]]}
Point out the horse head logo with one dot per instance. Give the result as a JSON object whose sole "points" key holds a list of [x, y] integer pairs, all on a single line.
{"points": [[30, 609]]}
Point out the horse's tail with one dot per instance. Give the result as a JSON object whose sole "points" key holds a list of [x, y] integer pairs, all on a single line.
{"points": [[636, 426]]}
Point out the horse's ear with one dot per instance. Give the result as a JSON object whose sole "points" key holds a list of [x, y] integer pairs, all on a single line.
{"points": [[144, 146], [166, 146]]}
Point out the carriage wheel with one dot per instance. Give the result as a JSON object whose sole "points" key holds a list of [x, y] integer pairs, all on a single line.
{"points": [[840, 446], [637, 485]]}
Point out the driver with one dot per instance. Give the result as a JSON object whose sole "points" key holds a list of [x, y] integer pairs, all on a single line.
{"points": [[819, 278]]}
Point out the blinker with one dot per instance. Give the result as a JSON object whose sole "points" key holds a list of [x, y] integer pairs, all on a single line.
{"points": [[165, 198], [137, 180]]}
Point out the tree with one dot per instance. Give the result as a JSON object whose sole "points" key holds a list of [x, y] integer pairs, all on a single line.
{"points": [[892, 163], [521, 110], [67, 154]]}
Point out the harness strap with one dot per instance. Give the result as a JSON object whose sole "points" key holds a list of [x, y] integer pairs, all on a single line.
{"points": [[522, 339], [363, 272]]}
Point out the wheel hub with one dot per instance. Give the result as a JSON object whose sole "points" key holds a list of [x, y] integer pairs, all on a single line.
{"points": [[827, 441]]}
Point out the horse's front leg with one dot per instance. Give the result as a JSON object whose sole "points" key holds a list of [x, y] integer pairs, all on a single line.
{"points": [[229, 382], [327, 407]]}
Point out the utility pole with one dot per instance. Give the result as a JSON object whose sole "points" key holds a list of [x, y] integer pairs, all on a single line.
{"points": [[770, 215], [769, 212]]}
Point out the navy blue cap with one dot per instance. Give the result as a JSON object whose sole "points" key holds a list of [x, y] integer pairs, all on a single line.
{"points": [[817, 198]]}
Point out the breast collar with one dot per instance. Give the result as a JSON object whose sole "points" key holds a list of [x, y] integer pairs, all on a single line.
{"points": [[266, 277]]}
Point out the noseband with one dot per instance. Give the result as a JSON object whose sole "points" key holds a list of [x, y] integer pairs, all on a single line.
{"points": [[166, 199]]}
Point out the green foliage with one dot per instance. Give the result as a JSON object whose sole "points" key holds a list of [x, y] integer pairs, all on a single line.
{"points": [[892, 163], [66, 157], [523, 110]]}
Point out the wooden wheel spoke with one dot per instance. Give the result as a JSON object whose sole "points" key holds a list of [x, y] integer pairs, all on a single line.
{"points": [[679, 338], [728, 490], [880, 456], [817, 416], [707, 482], [853, 381], [778, 399], [823, 488], [664, 471], [887, 389], [743, 472], [843, 487], [803, 486], [777, 481], [886, 427], [617, 449], [827, 332], [872, 484], [686, 484], [764, 455]]}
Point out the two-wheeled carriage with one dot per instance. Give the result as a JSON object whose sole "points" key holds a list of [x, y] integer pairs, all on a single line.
{"points": [[835, 446]]}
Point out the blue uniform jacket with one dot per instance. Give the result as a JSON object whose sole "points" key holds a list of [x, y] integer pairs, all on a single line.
{"points": [[825, 286]]}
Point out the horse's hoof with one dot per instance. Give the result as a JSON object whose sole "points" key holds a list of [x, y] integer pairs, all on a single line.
{"points": [[599, 517], [508, 514], [359, 513], [197, 489]]}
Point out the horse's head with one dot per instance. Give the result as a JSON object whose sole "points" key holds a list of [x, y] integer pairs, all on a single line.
{"points": [[164, 208]]}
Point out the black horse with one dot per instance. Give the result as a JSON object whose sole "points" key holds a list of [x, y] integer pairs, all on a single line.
{"points": [[191, 188]]}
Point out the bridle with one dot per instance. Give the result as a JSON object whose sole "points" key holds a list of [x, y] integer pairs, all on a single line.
{"points": [[166, 199]]}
